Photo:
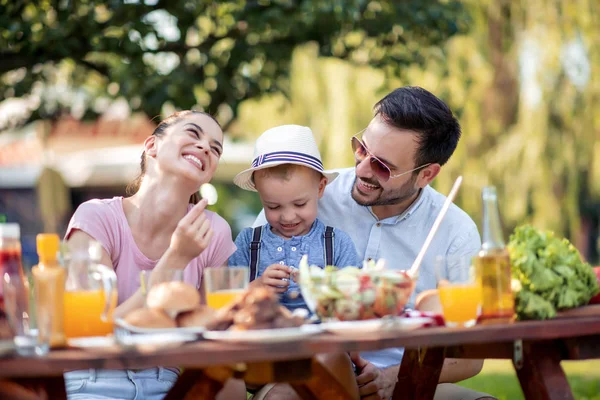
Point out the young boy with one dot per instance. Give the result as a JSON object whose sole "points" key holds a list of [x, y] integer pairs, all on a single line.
{"points": [[288, 175]]}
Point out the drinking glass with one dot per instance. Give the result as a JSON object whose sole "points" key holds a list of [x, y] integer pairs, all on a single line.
{"points": [[459, 288], [32, 326], [150, 278], [224, 284]]}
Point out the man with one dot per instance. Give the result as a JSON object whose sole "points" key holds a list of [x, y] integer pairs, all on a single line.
{"points": [[387, 207]]}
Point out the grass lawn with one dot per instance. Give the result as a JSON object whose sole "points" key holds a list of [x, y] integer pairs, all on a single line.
{"points": [[498, 378]]}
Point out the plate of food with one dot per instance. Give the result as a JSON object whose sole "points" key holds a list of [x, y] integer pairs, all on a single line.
{"points": [[257, 316], [91, 341], [149, 342], [393, 324], [171, 307], [94, 343], [264, 335]]}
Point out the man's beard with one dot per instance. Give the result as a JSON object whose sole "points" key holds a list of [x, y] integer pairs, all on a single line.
{"points": [[387, 197]]}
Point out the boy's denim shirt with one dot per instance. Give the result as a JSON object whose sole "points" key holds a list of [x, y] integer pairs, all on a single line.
{"points": [[277, 250]]}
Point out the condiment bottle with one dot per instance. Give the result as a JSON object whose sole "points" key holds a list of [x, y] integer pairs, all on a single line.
{"points": [[49, 284], [11, 270]]}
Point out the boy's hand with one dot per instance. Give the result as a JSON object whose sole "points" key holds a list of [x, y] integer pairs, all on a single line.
{"points": [[274, 277], [294, 274]]}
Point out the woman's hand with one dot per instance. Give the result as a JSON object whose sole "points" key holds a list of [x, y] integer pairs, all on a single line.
{"points": [[191, 237], [274, 277]]}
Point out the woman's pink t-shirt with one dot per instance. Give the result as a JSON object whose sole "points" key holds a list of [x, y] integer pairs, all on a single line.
{"points": [[105, 221]]}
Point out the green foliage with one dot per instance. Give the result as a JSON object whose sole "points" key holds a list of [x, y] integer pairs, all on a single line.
{"points": [[528, 127], [198, 54], [550, 272], [542, 153]]}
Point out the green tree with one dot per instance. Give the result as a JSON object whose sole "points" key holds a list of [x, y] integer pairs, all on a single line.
{"points": [[71, 56], [523, 82]]}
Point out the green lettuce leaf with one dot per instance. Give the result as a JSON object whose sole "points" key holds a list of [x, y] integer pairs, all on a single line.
{"points": [[551, 273]]}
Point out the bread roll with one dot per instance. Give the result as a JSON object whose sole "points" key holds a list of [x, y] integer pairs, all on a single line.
{"points": [[149, 318], [173, 297], [201, 316]]}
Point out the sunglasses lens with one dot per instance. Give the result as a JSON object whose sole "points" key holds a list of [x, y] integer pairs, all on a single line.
{"points": [[382, 172], [359, 150], [379, 168]]}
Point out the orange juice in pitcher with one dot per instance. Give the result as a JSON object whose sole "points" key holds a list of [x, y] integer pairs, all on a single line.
{"points": [[83, 313], [90, 294]]}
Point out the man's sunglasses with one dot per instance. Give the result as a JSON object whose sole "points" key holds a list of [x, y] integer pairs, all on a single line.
{"points": [[380, 169]]}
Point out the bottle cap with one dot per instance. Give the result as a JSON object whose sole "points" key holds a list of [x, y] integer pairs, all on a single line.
{"points": [[10, 231], [47, 245]]}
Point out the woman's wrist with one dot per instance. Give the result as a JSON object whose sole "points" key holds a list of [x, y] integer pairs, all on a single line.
{"points": [[173, 260]]}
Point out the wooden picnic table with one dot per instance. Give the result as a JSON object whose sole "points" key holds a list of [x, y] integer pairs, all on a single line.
{"points": [[536, 349]]}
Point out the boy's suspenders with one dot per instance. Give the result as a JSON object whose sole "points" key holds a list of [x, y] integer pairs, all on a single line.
{"points": [[255, 252], [328, 245], [255, 249]]}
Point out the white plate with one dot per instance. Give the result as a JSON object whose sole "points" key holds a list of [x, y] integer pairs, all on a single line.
{"points": [[135, 329], [264, 335], [93, 342], [374, 325], [156, 341]]}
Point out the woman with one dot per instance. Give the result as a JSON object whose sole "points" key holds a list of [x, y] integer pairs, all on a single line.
{"points": [[158, 227]]}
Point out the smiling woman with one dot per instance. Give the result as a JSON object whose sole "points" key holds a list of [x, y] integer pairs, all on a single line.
{"points": [[161, 225]]}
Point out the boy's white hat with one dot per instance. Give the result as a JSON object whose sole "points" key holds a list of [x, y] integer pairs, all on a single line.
{"points": [[286, 144]]}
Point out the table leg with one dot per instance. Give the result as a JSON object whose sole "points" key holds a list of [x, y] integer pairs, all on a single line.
{"points": [[322, 385], [194, 384], [541, 376], [419, 373]]}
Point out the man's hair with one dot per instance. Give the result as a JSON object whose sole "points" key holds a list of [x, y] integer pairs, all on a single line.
{"points": [[415, 109]]}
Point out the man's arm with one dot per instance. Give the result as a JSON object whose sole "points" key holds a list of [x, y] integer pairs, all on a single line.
{"points": [[454, 370]]}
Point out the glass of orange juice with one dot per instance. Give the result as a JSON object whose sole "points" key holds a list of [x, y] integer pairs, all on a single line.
{"points": [[224, 284], [153, 277], [459, 288]]}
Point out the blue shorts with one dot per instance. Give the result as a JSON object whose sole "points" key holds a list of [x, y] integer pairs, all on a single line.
{"points": [[147, 384]]}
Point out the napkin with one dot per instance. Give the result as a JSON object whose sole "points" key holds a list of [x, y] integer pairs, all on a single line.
{"points": [[436, 319]]}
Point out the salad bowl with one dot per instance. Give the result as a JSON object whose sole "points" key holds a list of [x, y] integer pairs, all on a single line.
{"points": [[354, 294]]}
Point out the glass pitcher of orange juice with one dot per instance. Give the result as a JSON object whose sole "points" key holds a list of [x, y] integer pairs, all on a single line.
{"points": [[90, 293]]}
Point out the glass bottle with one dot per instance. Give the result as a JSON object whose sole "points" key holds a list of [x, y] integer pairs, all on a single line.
{"points": [[49, 283], [493, 264], [11, 269], [14, 290]]}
